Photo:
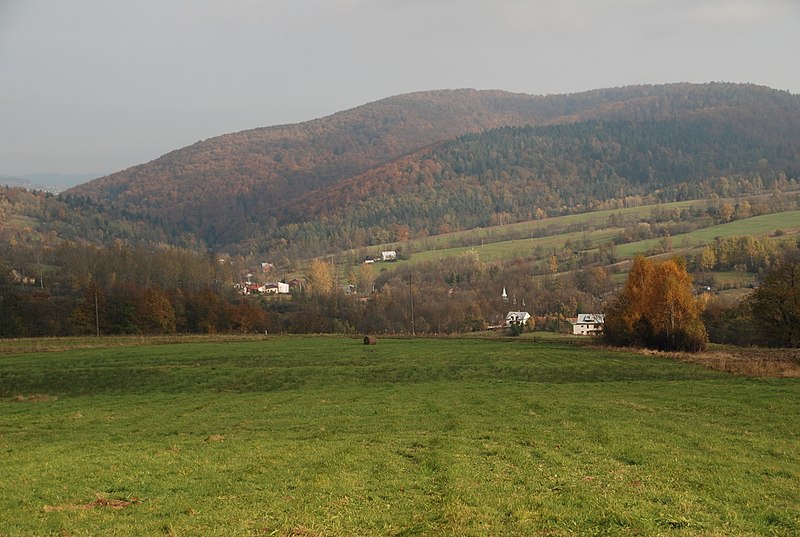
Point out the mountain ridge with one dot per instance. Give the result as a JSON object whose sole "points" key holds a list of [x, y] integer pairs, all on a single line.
{"points": [[237, 186]]}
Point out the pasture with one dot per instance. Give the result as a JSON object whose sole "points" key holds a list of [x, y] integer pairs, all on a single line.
{"points": [[325, 436], [522, 248], [556, 225]]}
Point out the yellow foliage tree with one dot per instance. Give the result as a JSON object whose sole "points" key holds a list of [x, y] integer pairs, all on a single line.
{"points": [[319, 278], [656, 308], [366, 278], [708, 258]]}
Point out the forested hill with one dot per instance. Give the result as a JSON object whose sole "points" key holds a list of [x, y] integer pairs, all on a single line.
{"points": [[522, 173], [405, 162]]}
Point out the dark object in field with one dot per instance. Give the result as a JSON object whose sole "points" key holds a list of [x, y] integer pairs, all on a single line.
{"points": [[370, 340]]}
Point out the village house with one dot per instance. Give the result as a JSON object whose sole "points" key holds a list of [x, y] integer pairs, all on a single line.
{"points": [[588, 324], [276, 288], [16, 277], [520, 317], [249, 288], [389, 255]]}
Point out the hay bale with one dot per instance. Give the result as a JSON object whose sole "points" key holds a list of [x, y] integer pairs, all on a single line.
{"points": [[370, 340]]}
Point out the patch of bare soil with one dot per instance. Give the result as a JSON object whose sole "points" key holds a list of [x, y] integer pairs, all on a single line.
{"points": [[33, 398], [99, 502], [751, 362]]}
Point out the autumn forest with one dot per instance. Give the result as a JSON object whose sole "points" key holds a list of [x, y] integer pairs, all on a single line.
{"points": [[159, 247]]}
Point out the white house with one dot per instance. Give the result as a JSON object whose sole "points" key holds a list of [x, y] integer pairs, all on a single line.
{"points": [[388, 255], [517, 317], [249, 288], [588, 323], [276, 288]]}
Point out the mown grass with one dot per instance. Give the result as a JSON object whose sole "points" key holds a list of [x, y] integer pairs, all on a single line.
{"points": [[757, 225], [326, 436], [520, 230], [512, 249], [788, 221]]}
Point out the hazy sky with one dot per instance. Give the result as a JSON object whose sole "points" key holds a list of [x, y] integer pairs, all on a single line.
{"points": [[100, 85]]}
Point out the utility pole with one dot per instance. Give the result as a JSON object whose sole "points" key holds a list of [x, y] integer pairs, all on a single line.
{"points": [[411, 299], [96, 313]]}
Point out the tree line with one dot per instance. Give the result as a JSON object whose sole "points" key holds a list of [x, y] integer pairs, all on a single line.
{"points": [[80, 289]]}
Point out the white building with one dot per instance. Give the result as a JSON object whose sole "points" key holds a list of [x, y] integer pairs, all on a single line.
{"points": [[277, 288], [389, 255], [517, 317], [588, 323]]}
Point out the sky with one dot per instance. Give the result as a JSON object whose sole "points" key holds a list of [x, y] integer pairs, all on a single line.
{"points": [[97, 86]]}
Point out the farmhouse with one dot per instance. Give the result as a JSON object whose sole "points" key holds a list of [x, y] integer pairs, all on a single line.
{"points": [[249, 288], [276, 288], [388, 255], [517, 317], [588, 323]]}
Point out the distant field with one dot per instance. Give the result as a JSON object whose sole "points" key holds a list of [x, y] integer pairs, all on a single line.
{"points": [[321, 436], [520, 248], [513, 240], [732, 279], [521, 230], [524, 248], [758, 225]]}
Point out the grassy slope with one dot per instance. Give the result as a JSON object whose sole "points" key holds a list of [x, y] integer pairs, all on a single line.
{"points": [[520, 230], [324, 436], [788, 221], [521, 248]]}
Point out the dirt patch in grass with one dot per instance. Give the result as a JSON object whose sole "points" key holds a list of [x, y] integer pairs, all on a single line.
{"points": [[752, 362], [99, 502], [33, 398], [747, 361]]}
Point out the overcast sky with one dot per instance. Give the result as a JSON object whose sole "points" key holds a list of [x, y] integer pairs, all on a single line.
{"points": [[101, 85]]}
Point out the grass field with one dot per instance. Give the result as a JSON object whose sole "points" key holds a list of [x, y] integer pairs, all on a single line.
{"points": [[556, 225], [325, 436], [757, 225], [788, 221]]}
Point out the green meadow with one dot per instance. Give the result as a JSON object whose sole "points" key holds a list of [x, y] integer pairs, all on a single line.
{"points": [[758, 225], [556, 225], [318, 436], [499, 250]]}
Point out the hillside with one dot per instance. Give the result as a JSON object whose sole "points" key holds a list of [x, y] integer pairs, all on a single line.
{"points": [[306, 188], [521, 173]]}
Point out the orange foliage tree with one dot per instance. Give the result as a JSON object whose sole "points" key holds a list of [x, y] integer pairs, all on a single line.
{"points": [[656, 309]]}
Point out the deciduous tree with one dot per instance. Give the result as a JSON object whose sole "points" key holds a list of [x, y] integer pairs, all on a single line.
{"points": [[656, 308], [775, 304], [319, 277], [366, 277]]}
